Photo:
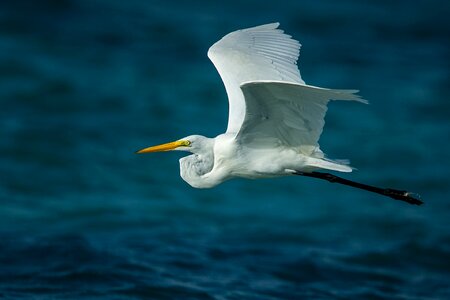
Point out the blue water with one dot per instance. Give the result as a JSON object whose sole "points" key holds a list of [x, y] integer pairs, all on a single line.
{"points": [[83, 84]]}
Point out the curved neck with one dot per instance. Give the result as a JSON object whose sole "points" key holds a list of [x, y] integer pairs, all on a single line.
{"points": [[196, 169]]}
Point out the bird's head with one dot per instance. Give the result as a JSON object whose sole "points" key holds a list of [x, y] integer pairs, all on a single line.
{"points": [[192, 167], [192, 143]]}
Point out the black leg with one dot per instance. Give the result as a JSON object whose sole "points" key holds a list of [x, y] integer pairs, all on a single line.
{"points": [[394, 194]]}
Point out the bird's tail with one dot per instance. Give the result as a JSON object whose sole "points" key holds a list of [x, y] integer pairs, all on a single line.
{"points": [[327, 164]]}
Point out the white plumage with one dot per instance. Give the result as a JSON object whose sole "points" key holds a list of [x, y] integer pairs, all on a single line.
{"points": [[275, 119], [258, 53]]}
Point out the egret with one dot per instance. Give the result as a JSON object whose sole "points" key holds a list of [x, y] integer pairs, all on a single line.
{"points": [[274, 121]]}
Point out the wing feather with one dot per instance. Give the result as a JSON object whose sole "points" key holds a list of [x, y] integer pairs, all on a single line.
{"points": [[258, 53], [283, 113]]}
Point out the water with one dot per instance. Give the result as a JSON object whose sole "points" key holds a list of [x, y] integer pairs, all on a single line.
{"points": [[86, 83]]}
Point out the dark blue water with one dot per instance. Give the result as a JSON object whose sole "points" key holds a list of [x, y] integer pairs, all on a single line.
{"points": [[83, 84]]}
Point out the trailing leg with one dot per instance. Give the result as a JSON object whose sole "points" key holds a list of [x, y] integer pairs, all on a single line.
{"points": [[392, 193]]}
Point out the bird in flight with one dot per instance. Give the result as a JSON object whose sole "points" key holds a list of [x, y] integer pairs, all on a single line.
{"points": [[274, 120]]}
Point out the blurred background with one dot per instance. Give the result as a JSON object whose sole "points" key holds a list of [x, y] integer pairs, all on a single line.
{"points": [[85, 83]]}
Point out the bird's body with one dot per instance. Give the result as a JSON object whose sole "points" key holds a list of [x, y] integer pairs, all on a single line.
{"points": [[275, 119], [230, 159], [225, 158]]}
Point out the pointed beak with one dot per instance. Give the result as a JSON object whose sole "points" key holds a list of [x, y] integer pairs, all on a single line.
{"points": [[165, 147]]}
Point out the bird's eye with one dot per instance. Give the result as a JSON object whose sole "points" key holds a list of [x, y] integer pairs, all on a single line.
{"points": [[186, 143]]}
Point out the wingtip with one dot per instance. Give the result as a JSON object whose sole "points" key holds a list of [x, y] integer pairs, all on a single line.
{"points": [[273, 25], [363, 101], [358, 97]]}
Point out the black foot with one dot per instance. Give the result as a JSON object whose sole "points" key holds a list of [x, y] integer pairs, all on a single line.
{"points": [[411, 198]]}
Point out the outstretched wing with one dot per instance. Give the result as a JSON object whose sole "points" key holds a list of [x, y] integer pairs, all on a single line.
{"points": [[257, 53], [283, 113]]}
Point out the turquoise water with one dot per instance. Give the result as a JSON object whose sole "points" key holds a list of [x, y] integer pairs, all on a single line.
{"points": [[86, 83]]}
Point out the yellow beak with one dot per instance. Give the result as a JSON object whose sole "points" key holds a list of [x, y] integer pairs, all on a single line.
{"points": [[165, 147]]}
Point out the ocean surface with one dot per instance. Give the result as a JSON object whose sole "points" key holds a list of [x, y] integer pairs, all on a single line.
{"points": [[84, 84]]}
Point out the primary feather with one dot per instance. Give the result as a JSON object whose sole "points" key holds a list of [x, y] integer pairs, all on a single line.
{"points": [[288, 114], [258, 53]]}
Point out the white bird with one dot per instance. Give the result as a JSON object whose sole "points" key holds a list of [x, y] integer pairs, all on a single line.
{"points": [[275, 119]]}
